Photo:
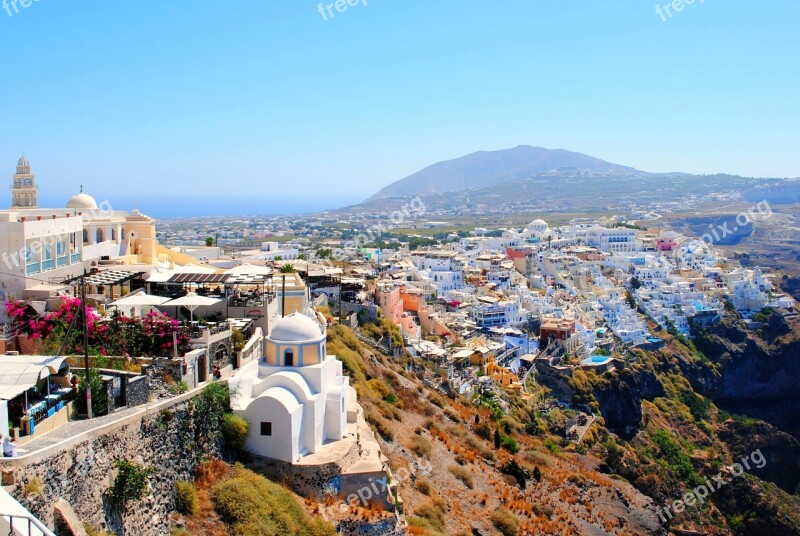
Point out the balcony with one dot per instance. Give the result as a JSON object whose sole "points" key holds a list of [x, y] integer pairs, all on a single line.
{"points": [[32, 268], [49, 264], [75, 258], [206, 334]]}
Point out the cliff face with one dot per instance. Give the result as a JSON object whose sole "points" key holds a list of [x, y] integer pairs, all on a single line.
{"points": [[173, 441], [757, 371], [780, 451], [620, 399]]}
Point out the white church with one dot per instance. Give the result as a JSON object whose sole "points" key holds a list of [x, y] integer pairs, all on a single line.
{"points": [[296, 398]]}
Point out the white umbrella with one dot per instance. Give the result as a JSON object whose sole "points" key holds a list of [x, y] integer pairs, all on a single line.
{"points": [[192, 301], [140, 299], [248, 269]]}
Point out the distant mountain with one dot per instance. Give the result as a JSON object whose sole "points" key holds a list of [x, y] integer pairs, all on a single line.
{"points": [[488, 168]]}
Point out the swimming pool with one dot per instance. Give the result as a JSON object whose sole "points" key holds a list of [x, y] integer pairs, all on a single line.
{"points": [[596, 360]]}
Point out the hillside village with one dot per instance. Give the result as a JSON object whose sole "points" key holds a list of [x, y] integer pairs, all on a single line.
{"points": [[489, 318]]}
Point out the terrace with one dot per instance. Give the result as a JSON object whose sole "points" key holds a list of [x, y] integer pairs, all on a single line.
{"points": [[237, 290], [34, 389]]}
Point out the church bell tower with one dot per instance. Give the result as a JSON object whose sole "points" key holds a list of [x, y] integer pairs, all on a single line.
{"points": [[23, 189]]}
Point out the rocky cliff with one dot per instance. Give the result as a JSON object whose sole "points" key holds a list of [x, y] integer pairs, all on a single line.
{"points": [[754, 372], [173, 440]]}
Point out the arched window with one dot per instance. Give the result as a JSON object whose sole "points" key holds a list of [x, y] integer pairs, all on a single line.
{"points": [[113, 233], [100, 236], [85, 236], [288, 358]]}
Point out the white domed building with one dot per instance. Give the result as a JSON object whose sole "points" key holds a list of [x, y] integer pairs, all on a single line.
{"points": [[536, 231], [296, 398], [82, 201]]}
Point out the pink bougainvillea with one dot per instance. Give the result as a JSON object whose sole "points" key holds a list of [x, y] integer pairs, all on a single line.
{"points": [[151, 336]]}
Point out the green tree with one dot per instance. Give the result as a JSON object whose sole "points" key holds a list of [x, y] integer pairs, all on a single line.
{"points": [[630, 299], [209, 241], [286, 269], [130, 484]]}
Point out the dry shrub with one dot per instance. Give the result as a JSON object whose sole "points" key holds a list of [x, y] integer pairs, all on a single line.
{"points": [[436, 400], [187, 498], [432, 515], [423, 486], [505, 522], [463, 475], [452, 415], [209, 473], [420, 446]]}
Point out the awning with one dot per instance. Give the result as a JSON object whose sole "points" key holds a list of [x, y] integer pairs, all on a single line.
{"points": [[111, 277], [199, 278], [18, 373]]}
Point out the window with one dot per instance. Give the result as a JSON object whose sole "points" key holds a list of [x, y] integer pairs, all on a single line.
{"points": [[266, 428], [288, 358]]}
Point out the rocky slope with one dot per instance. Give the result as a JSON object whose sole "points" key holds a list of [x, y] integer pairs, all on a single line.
{"points": [[754, 372], [455, 478]]}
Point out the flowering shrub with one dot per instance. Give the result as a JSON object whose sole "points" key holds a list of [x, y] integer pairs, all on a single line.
{"points": [[151, 336], [20, 311]]}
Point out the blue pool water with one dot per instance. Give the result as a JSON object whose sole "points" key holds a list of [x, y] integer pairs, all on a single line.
{"points": [[596, 360]]}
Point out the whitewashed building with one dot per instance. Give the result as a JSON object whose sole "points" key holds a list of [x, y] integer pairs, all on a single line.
{"points": [[296, 397]]}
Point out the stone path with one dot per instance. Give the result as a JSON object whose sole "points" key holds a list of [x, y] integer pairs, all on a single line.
{"points": [[581, 430], [74, 428]]}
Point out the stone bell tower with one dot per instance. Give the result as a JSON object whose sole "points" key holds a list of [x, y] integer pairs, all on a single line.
{"points": [[23, 189]]}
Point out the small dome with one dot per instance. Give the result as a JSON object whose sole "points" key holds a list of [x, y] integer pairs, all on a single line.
{"points": [[82, 201], [296, 327], [23, 161], [538, 224]]}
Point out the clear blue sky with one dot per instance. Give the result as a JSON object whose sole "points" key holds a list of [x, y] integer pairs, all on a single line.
{"points": [[160, 104]]}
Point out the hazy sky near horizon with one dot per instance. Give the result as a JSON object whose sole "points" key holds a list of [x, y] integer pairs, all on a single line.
{"points": [[168, 102]]}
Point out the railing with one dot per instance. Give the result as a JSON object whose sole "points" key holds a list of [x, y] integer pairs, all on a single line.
{"points": [[75, 257], [18, 523], [48, 265], [198, 332], [63, 261], [32, 268]]}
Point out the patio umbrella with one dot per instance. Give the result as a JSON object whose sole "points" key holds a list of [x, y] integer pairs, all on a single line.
{"points": [[140, 299], [192, 301], [248, 269]]}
